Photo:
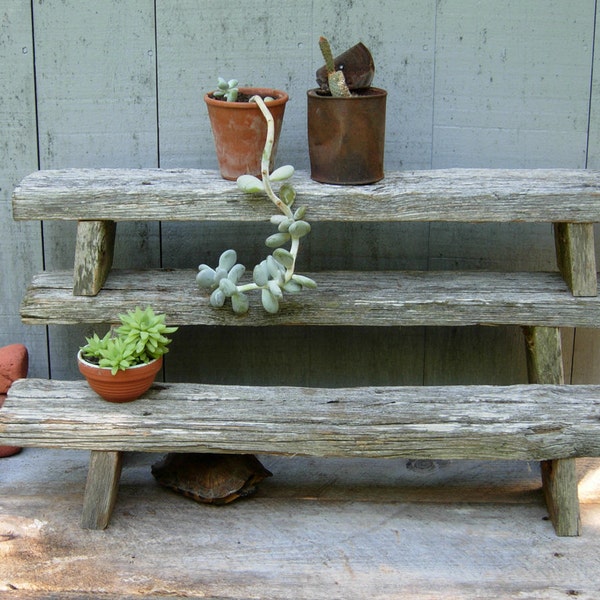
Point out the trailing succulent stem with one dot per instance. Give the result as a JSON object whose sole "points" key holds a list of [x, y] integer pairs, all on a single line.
{"points": [[335, 79], [276, 274]]}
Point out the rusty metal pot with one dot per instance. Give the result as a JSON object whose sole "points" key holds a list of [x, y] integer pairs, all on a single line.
{"points": [[346, 136]]}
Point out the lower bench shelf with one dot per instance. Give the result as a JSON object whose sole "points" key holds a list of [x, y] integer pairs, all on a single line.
{"points": [[553, 423], [529, 422]]}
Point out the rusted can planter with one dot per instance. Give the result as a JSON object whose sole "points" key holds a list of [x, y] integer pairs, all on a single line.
{"points": [[346, 136]]}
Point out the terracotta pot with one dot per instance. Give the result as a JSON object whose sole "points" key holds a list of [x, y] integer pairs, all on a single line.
{"points": [[346, 137], [240, 131], [126, 385]]}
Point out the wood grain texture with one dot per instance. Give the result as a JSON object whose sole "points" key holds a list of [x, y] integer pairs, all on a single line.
{"points": [[454, 422], [101, 488], [576, 257], [94, 252], [544, 355], [473, 195], [559, 477], [393, 298]]}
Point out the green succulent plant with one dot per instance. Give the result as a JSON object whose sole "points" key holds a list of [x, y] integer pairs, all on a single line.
{"points": [[276, 274], [141, 337], [227, 89]]}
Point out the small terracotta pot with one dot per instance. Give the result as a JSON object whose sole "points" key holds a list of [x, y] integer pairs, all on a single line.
{"points": [[346, 136], [126, 385], [240, 131]]}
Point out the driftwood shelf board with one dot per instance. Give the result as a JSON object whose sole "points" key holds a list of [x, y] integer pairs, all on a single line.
{"points": [[459, 195], [531, 422], [400, 298]]}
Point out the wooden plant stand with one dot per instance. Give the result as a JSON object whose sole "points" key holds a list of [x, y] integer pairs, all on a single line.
{"points": [[546, 420]]}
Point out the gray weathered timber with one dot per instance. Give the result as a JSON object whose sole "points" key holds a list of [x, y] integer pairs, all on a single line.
{"points": [[544, 355], [576, 257], [94, 251], [101, 488], [392, 298], [559, 477], [559, 482], [453, 422], [472, 195]]}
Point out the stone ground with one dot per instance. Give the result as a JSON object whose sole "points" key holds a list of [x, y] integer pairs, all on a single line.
{"points": [[318, 529]]}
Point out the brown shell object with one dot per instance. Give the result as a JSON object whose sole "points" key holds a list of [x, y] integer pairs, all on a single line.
{"points": [[210, 478], [356, 64]]}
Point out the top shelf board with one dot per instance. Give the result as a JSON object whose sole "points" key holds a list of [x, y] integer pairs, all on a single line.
{"points": [[458, 195]]}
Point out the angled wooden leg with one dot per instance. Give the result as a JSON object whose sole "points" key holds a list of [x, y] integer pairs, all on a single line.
{"points": [[101, 488], [559, 480], [576, 257], [94, 251], [559, 477]]}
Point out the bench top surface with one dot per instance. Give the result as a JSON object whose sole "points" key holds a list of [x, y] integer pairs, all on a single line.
{"points": [[461, 195], [386, 298], [486, 422]]}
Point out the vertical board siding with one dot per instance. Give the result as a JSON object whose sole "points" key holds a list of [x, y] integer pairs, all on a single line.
{"points": [[470, 83], [512, 83], [511, 90], [20, 243], [95, 66]]}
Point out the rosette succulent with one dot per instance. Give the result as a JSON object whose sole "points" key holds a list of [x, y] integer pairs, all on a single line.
{"points": [[141, 337]]}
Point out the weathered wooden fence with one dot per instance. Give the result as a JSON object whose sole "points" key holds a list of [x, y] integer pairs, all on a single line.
{"points": [[471, 83]]}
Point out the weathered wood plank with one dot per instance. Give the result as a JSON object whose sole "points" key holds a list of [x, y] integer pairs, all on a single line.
{"points": [[392, 298], [101, 488], [455, 422], [576, 257], [94, 252], [550, 195]]}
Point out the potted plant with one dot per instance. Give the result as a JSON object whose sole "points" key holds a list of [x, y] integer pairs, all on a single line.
{"points": [[346, 119], [122, 365], [238, 127], [276, 274]]}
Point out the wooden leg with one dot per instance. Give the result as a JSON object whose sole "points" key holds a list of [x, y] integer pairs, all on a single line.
{"points": [[101, 488], [559, 478], [544, 355], [94, 251], [576, 257]]}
